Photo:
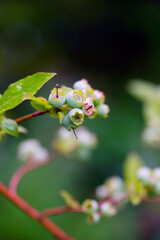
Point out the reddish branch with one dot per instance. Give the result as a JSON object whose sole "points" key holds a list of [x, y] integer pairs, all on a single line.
{"points": [[33, 213], [29, 116]]}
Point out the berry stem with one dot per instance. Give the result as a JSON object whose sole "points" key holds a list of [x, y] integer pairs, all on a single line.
{"points": [[30, 116], [33, 213], [57, 90], [75, 133]]}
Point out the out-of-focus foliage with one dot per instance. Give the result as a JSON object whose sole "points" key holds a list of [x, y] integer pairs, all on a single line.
{"points": [[107, 42], [149, 94]]}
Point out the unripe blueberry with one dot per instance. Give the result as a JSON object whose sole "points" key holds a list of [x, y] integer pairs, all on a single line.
{"points": [[108, 209], [156, 172], [66, 90], [89, 206], [144, 174], [76, 116], [31, 149], [99, 97], [103, 110], [93, 218], [157, 187], [66, 122], [57, 98], [114, 184], [101, 191], [81, 85], [90, 94], [75, 99]]}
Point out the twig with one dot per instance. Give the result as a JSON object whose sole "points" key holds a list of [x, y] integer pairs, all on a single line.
{"points": [[30, 116], [33, 213]]}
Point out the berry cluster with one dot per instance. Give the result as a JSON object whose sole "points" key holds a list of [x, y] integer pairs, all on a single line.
{"points": [[112, 187], [66, 144], [77, 103]]}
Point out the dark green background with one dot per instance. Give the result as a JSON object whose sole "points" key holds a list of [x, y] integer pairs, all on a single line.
{"points": [[109, 43]]}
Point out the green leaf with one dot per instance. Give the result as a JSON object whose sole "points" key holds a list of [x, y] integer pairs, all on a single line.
{"points": [[39, 103], [14, 94], [10, 127], [136, 190]]}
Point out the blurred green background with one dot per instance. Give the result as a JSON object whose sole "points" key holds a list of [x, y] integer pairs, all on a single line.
{"points": [[109, 43]]}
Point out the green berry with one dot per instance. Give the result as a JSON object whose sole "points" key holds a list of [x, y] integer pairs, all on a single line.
{"points": [[67, 123], [103, 110], [57, 98], [75, 99], [76, 116]]}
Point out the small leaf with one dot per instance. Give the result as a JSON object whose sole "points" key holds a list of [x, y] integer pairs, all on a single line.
{"points": [[136, 190], [69, 200], [39, 103], [10, 127], [14, 94]]}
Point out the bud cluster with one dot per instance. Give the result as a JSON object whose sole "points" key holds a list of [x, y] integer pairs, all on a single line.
{"points": [[150, 178], [77, 103], [113, 187], [95, 210], [66, 144], [31, 150]]}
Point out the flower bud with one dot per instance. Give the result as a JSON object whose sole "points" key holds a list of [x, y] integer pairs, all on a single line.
{"points": [[99, 97], [107, 209], [103, 110], [57, 98], [75, 99], [76, 116], [101, 192], [93, 218], [89, 206], [144, 174], [81, 85]]}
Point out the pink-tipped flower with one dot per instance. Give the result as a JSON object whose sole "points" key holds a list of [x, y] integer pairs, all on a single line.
{"points": [[103, 110], [99, 97]]}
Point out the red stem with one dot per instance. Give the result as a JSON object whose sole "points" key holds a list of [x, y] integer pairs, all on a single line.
{"points": [[33, 213], [29, 116], [22, 170], [60, 210]]}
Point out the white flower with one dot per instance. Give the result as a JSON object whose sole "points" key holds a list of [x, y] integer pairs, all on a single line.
{"points": [[144, 174], [101, 191], [31, 149], [108, 209]]}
